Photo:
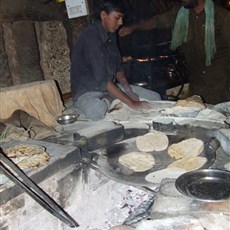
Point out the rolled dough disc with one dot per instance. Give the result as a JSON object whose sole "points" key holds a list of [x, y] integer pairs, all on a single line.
{"points": [[158, 176]]}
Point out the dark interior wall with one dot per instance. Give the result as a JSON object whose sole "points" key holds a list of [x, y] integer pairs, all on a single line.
{"points": [[20, 49], [36, 39], [143, 9], [139, 41]]}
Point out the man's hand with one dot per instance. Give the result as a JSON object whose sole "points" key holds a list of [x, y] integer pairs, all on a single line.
{"points": [[139, 105], [147, 24], [126, 30]]}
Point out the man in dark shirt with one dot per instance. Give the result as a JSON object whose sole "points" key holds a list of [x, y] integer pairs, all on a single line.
{"points": [[96, 64], [206, 45]]}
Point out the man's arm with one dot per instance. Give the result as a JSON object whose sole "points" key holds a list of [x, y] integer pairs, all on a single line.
{"points": [[163, 21], [120, 76], [143, 25]]}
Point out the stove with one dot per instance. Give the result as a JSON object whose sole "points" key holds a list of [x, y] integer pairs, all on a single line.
{"points": [[91, 196]]}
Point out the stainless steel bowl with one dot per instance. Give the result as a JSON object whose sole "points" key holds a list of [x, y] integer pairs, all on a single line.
{"points": [[141, 84], [66, 119], [205, 184]]}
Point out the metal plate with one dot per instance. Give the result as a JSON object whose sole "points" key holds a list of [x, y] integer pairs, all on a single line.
{"points": [[205, 184], [109, 165]]}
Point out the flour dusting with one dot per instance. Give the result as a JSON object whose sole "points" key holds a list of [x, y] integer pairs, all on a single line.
{"points": [[101, 203]]}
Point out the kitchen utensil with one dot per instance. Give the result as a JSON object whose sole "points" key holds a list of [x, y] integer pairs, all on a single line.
{"points": [[33, 190], [65, 119], [205, 184]]}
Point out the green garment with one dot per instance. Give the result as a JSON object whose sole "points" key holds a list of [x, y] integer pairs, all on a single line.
{"points": [[210, 82]]}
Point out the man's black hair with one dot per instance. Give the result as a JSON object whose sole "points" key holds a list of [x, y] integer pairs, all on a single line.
{"points": [[113, 5], [108, 6]]}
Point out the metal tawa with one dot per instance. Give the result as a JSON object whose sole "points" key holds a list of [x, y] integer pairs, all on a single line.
{"points": [[205, 184], [108, 163]]}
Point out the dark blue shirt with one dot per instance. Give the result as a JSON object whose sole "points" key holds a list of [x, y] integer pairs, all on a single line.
{"points": [[95, 60]]}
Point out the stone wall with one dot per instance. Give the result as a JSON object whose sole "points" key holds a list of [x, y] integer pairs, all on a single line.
{"points": [[36, 50]]}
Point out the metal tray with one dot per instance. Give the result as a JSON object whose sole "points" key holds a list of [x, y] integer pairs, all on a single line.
{"points": [[205, 184]]}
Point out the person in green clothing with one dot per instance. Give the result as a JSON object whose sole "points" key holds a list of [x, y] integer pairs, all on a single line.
{"points": [[201, 29]]}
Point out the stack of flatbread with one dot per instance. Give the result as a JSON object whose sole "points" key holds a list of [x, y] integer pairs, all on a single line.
{"points": [[189, 107], [27, 156], [193, 101]]}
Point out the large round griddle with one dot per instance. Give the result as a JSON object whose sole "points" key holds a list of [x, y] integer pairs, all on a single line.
{"points": [[109, 165]]}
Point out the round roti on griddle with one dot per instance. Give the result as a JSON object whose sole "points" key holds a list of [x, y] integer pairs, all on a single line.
{"points": [[137, 161], [189, 163], [154, 141], [187, 148]]}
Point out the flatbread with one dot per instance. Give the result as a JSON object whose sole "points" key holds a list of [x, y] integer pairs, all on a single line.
{"points": [[27, 156], [34, 161], [137, 161], [187, 148], [23, 149], [193, 101], [189, 163], [154, 141], [158, 176]]}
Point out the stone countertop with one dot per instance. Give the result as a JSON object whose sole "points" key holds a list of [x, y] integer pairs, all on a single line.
{"points": [[173, 210], [112, 129], [61, 156], [211, 119]]}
